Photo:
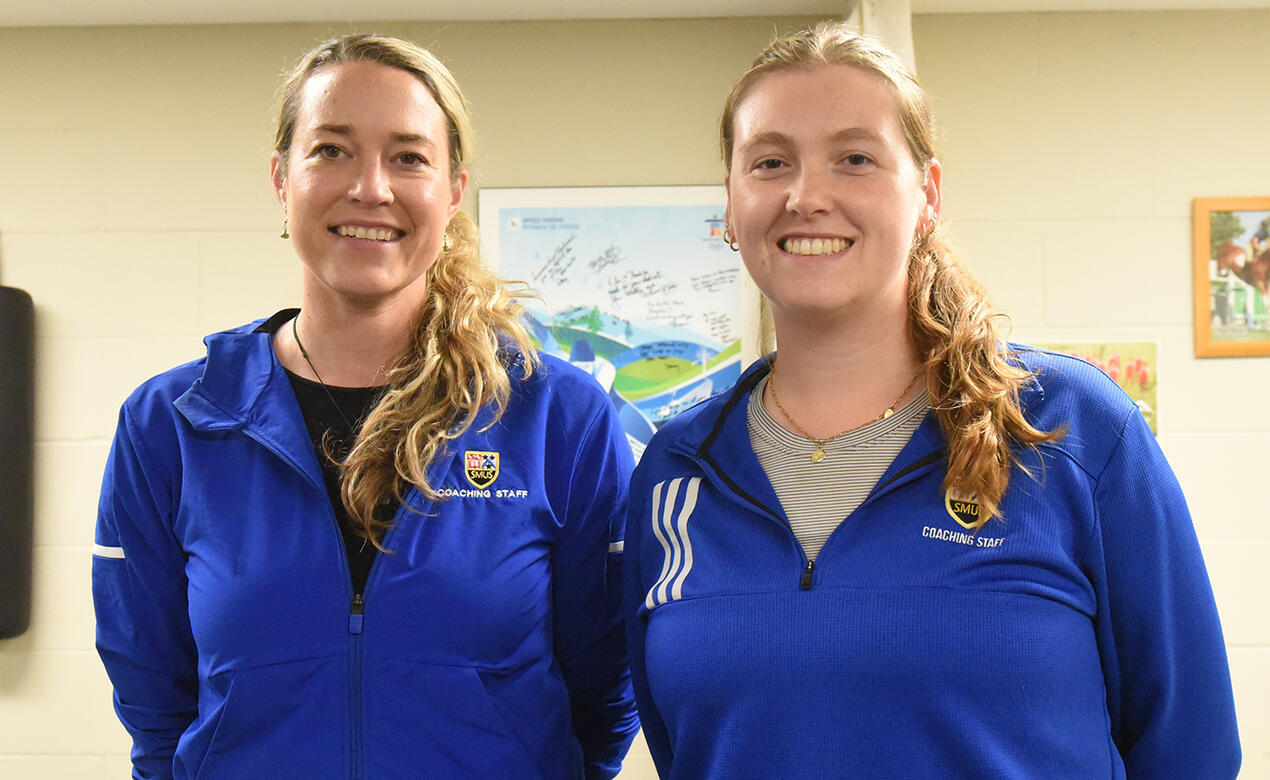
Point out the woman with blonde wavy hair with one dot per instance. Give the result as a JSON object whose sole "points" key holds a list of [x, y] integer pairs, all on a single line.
{"points": [[376, 536], [901, 546]]}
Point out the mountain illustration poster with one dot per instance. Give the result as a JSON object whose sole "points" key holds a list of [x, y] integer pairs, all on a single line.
{"points": [[636, 286]]}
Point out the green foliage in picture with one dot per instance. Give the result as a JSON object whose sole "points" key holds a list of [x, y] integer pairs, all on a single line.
{"points": [[1223, 226]]}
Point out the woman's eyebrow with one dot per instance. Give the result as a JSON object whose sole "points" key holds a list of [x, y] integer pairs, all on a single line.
{"points": [[412, 138], [855, 134], [347, 131], [768, 137]]}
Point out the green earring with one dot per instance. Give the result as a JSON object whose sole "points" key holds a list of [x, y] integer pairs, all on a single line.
{"points": [[285, 234]]}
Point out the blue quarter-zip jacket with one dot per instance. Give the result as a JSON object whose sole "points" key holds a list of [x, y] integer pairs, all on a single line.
{"points": [[1074, 637], [488, 642]]}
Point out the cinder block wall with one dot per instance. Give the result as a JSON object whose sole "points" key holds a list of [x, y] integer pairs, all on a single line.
{"points": [[135, 207], [1074, 145]]}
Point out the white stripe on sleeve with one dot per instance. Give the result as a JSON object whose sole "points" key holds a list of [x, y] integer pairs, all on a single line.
{"points": [[690, 503], [649, 601], [676, 551]]}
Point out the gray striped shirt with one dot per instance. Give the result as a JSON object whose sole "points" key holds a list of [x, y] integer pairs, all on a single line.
{"points": [[817, 497]]}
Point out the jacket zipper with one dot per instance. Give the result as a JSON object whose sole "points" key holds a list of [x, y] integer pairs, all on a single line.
{"points": [[355, 618], [356, 623], [808, 572], [356, 613]]}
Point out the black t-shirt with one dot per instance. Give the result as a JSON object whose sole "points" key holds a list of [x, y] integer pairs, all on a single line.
{"points": [[327, 418], [331, 433]]}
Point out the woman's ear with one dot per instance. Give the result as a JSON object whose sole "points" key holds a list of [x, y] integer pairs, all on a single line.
{"points": [[727, 200], [933, 186], [278, 178], [457, 188]]}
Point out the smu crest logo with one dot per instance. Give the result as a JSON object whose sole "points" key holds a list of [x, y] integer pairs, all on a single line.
{"points": [[964, 509], [480, 467]]}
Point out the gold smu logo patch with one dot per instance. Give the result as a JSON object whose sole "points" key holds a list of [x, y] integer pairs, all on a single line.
{"points": [[963, 509], [480, 467]]}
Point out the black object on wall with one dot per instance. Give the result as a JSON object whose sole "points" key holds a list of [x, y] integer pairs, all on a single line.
{"points": [[17, 455]]}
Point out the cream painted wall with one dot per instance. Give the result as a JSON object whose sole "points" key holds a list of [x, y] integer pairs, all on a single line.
{"points": [[134, 207]]}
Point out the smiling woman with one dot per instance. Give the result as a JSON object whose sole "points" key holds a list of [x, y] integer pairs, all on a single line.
{"points": [[291, 517], [901, 546], [814, 196]]}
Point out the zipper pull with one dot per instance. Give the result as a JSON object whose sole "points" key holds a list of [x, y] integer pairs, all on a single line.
{"points": [[355, 615], [807, 572]]}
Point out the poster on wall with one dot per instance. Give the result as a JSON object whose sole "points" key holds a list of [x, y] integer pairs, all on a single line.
{"points": [[1131, 364], [636, 286], [1232, 276]]}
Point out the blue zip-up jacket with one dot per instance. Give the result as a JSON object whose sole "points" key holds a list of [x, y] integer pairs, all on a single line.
{"points": [[488, 643], [1074, 638]]}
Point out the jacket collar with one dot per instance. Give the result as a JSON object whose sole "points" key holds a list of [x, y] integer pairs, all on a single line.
{"points": [[244, 387]]}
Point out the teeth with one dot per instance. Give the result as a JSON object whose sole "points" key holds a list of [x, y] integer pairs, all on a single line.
{"points": [[370, 234], [815, 246]]}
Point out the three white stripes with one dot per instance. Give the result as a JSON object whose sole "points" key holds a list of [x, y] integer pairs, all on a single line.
{"points": [[673, 537]]}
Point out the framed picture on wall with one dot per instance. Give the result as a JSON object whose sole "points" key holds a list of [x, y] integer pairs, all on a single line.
{"points": [[1232, 276]]}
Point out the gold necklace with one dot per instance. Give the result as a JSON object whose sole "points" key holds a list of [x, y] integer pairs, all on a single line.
{"points": [[819, 453]]}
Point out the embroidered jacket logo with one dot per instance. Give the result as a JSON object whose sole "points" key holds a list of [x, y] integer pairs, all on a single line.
{"points": [[963, 509], [480, 467]]}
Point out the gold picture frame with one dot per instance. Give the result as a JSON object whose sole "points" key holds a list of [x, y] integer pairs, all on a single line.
{"points": [[1232, 277]]}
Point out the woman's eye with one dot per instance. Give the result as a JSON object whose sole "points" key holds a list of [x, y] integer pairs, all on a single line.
{"points": [[412, 159], [770, 164], [857, 159], [328, 151]]}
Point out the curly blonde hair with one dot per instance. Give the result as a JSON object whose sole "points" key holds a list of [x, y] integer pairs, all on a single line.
{"points": [[971, 376], [469, 336]]}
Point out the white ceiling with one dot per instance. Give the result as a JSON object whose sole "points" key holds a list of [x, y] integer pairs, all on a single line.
{"points": [[21, 13]]}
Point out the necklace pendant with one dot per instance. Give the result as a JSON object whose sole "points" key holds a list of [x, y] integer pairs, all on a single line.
{"points": [[818, 454], [889, 411]]}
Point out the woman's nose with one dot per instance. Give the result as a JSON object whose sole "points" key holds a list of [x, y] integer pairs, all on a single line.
{"points": [[372, 186], [809, 193]]}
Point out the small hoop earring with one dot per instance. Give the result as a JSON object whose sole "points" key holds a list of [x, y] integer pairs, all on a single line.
{"points": [[285, 233], [445, 242], [730, 240]]}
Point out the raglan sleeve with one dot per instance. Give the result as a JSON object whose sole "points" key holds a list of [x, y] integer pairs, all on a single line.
{"points": [[1164, 659], [586, 566], [139, 594], [635, 587]]}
